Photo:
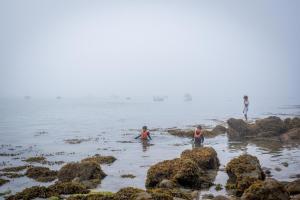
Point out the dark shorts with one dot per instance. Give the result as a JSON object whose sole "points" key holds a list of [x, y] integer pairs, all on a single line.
{"points": [[198, 140]]}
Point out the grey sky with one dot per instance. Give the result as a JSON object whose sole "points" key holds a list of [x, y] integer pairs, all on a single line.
{"points": [[76, 48]]}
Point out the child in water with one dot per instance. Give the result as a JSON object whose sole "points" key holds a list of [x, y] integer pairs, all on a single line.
{"points": [[246, 106], [198, 136], [145, 134]]}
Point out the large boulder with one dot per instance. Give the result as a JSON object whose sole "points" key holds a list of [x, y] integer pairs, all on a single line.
{"points": [[270, 189], [88, 173], [270, 126], [237, 128], [205, 157], [192, 170], [292, 135], [219, 129], [293, 187], [243, 171]]}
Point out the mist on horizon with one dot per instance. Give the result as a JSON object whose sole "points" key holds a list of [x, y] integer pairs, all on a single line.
{"points": [[214, 49]]}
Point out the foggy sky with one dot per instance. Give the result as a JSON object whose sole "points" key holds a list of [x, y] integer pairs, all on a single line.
{"points": [[138, 48]]}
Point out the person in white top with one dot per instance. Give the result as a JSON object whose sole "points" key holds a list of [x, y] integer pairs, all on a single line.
{"points": [[246, 106]]}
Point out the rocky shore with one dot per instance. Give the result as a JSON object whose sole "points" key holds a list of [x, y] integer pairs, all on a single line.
{"points": [[180, 178]]}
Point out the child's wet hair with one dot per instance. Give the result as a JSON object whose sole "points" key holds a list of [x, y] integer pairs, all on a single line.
{"points": [[144, 128], [199, 127]]}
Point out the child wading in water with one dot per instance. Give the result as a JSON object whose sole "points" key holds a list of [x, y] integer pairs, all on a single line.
{"points": [[246, 106], [198, 136], [145, 134]]}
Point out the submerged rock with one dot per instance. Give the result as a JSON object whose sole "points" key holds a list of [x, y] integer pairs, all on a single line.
{"points": [[37, 159], [293, 187], [243, 171], [100, 159], [41, 174], [127, 176], [3, 181], [270, 189], [88, 173], [15, 169]]}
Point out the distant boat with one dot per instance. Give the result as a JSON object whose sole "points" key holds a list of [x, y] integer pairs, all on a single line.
{"points": [[58, 97], [27, 97], [187, 97], [158, 98]]}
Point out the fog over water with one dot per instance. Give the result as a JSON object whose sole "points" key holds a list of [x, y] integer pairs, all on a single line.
{"points": [[212, 49]]}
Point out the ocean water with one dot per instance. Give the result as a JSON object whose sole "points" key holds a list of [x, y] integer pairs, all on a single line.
{"points": [[108, 126]]}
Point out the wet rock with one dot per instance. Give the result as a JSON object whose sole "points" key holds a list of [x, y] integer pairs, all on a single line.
{"points": [[294, 176], [183, 172], [292, 123], [3, 181], [166, 184], [292, 135], [52, 191], [165, 194], [127, 176], [143, 196], [285, 164], [41, 174], [270, 189], [293, 187], [207, 196], [77, 141], [243, 171], [218, 187], [37, 159], [278, 169], [87, 173], [181, 133], [295, 197], [219, 130], [270, 126], [205, 157], [238, 128], [100, 159], [4, 193], [93, 196], [12, 175], [220, 197], [15, 169], [127, 193]]}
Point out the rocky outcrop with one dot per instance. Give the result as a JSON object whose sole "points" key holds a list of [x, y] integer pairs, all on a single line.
{"points": [[189, 171], [270, 189], [293, 187], [41, 174], [287, 130], [218, 130], [238, 128], [89, 174], [243, 171]]}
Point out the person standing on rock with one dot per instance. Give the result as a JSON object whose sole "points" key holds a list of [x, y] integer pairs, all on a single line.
{"points": [[246, 106], [198, 136]]}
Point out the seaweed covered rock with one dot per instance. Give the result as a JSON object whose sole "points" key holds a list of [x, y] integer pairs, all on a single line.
{"points": [[189, 171], [238, 128], [37, 159], [3, 181], [292, 123], [100, 159], [181, 132], [41, 174], [205, 157], [15, 169], [93, 196], [292, 135], [165, 194], [52, 191], [182, 172], [293, 187], [127, 193], [88, 173], [243, 171], [270, 189], [270, 126], [190, 132]]}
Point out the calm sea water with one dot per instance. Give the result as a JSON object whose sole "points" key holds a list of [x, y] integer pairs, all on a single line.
{"points": [[41, 126]]}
